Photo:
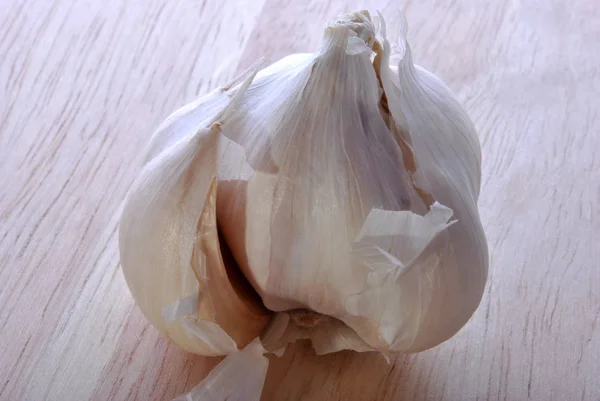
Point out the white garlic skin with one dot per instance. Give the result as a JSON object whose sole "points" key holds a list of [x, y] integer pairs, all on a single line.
{"points": [[323, 158]]}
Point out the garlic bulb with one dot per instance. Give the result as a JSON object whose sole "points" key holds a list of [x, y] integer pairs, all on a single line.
{"points": [[343, 189]]}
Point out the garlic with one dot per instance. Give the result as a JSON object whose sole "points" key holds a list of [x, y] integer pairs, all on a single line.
{"points": [[177, 269], [343, 189]]}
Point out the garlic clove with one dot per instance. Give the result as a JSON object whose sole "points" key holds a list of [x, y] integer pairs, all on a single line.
{"points": [[244, 213], [448, 157], [158, 228], [170, 247], [225, 296]]}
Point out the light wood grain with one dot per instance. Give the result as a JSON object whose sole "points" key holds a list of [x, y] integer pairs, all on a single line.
{"points": [[82, 86]]}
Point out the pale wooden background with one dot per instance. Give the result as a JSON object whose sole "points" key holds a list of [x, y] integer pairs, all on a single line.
{"points": [[84, 83]]}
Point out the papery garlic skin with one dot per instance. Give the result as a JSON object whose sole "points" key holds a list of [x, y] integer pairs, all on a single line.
{"points": [[345, 187]]}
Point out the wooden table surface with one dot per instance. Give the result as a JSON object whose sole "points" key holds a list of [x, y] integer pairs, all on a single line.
{"points": [[84, 83]]}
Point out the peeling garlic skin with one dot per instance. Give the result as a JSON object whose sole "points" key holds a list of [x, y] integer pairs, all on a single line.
{"points": [[156, 237]]}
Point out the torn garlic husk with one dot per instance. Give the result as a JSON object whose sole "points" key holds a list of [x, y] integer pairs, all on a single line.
{"points": [[329, 197]]}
